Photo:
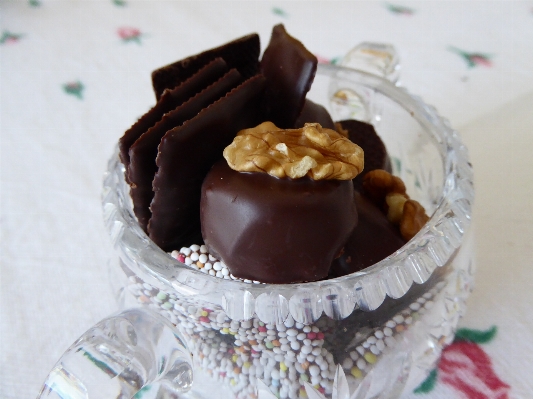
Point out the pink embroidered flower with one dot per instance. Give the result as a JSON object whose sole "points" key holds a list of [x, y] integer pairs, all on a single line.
{"points": [[467, 368], [129, 34], [8, 37], [472, 59]]}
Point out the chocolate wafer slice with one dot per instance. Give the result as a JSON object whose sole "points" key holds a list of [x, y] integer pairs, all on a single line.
{"points": [[290, 70], [142, 167], [170, 100], [365, 136], [241, 54], [186, 154]]}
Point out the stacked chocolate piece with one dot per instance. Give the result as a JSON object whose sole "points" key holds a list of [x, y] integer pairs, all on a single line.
{"points": [[202, 102]]}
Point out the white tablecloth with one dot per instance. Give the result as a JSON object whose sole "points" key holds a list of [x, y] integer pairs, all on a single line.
{"points": [[75, 74]]}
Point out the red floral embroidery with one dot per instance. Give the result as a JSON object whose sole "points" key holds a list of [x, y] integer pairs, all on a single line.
{"points": [[128, 34], [467, 368]]}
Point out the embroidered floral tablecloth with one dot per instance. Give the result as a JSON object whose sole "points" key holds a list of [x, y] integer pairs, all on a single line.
{"points": [[75, 74]]}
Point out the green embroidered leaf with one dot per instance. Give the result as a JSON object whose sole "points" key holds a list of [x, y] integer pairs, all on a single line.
{"points": [[472, 59], [476, 336], [8, 37], [397, 9], [280, 12], [74, 88], [397, 164], [429, 383]]}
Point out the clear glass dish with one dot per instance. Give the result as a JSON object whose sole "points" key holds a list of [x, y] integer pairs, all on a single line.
{"points": [[383, 327]]}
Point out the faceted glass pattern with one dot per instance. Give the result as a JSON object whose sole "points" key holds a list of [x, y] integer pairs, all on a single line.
{"points": [[384, 327]]}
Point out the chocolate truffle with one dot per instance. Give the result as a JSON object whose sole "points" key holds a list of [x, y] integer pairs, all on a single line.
{"points": [[365, 136], [275, 230], [373, 239]]}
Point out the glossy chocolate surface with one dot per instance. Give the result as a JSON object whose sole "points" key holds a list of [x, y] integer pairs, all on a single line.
{"points": [[365, 136], [275, 230], [168, 101], [314, 113], [241, 54], [289, 69], [143, 152], [373, 239], [186, 153]]}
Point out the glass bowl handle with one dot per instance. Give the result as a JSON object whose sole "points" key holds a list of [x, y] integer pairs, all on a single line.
{"points": [[119, 356], [379, 59]]}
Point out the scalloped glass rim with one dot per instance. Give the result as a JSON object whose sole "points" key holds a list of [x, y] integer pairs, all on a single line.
{"points": [[432, 247]]}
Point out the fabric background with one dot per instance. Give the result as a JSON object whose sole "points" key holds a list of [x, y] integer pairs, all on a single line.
{"points": [[74, 75]]}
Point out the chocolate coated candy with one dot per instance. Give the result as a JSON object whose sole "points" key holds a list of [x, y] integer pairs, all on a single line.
{"points": [[168, 101], [365, 136], [241, 54], [373, 239], [186, 154], [275, 230], [289, 69], [314, 113], [143, 152]]}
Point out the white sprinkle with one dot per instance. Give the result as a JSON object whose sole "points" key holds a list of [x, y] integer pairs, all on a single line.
{"points": [[203, 258], [307, 342], [379, 334], [292, 332], [316, 351], [208, 266], [391, 324], [194, 247], [306, 349], [380, 345], [289, 322], [347, 363], [247, 281], [217, 266], [225, 272], [398, 318], [295, 345], [185, 251], [375, 350], [211, 272], [314, 370], [299, 326], [188, 261], [414, 306], [361, 350], [366, 344], [307, 329], [194, 256], [354, 355], [285, 347], [301, 336], [361, 363], [174, 254], [212, 258], [408, 320], [390, 341], [387, 332], [203, 249]]}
